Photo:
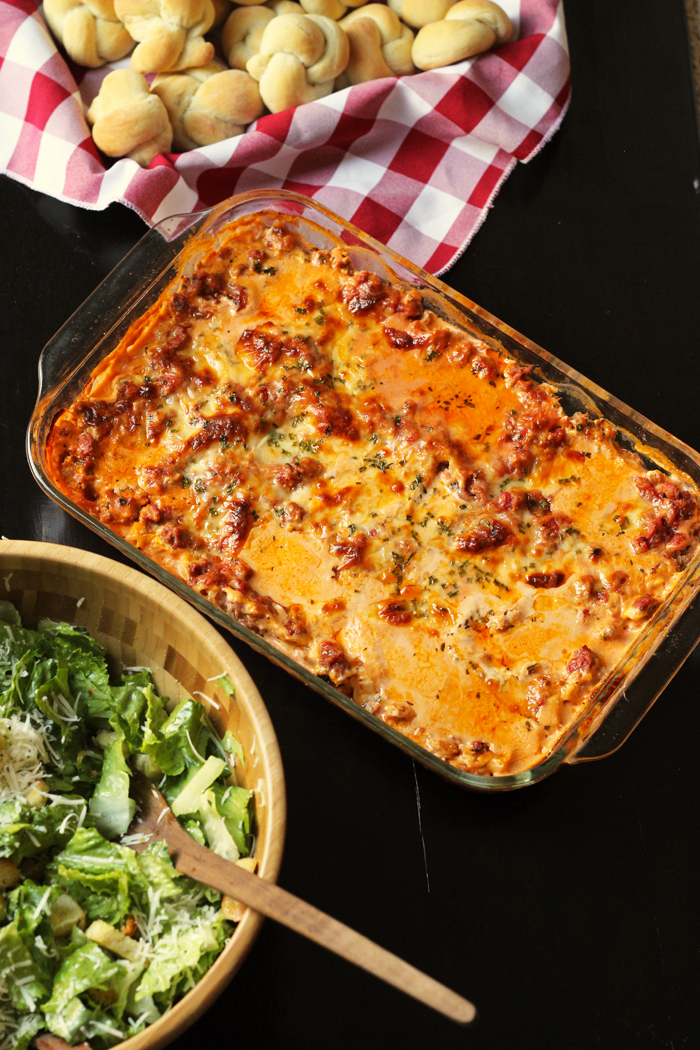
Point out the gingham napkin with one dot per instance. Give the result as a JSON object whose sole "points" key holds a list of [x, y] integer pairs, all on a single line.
{"points": [[415, 161]]}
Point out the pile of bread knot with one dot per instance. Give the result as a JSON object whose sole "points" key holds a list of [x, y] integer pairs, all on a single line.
{"points": [[279, 54]]}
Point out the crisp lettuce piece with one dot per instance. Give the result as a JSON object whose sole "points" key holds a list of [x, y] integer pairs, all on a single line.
{"points": [[26, 984], [110, 806], [144, 1012], [29, 912], [233, 803], [157, 871], [8, 614], [88, 967], [98, 874], [19, 1029], [16, 669], [193, 827], [88, 676], [77, 1021], [90, 994], [218, 835], [69, 1021], [50, 690], [29, 906], [180, 741], [180, 954], [137, 708], [24, 831], [233, 747], [189, 799], [227, 685]]}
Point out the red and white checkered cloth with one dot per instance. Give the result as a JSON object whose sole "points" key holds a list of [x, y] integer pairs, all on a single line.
{"points": [[415, 161]]}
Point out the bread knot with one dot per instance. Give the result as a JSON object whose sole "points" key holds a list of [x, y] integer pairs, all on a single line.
{"points": [[89, 30], [170, 33], [127, 120], [208, 104], [419, 13], [242, 34], [468, 28], [222, 9], [380, 45], [299, 58], [330, 8]]}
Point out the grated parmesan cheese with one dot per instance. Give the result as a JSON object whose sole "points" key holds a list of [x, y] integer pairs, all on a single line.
{"points": [[208, 699], [42, 903], [23, 751], [194, 751]]}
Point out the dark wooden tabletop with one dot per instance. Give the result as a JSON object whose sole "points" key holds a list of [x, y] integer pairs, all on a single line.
{"points": [[567, 911]]}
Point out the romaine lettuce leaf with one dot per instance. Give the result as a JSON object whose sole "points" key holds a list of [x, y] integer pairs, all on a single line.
{"points": [[137, 708], [233, 747], [88, 676], [26, 984], [88, 967], [218, 835], [18, 1030], [233, 803], [29, 906], [110, 806], [178, 955], [24, 831], [98, 874], [158, 873], [180, 741], [190, 798], [8, 614]]}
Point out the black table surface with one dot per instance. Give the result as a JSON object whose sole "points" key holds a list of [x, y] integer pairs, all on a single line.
{"points": [[566, 911]]}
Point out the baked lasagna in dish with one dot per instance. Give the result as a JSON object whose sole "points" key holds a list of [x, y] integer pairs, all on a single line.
{"points": [[389, 500]]}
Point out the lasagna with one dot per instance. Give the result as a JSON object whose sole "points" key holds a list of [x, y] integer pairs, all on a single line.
{"points": [[394, 503]]}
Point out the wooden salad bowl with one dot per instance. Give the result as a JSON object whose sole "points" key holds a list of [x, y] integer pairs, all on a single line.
{"points": [[141, 623]]}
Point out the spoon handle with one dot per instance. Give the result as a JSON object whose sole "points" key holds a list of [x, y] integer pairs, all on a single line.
{"points": [[201, 864]]}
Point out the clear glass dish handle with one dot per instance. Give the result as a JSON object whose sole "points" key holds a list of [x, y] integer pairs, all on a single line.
{"points": [[641, 694]]}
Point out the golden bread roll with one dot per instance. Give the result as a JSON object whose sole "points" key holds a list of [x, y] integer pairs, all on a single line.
{"points": [[419, 13], [300, 56], [380, 45], [245, 26], [330, 8], [327, 8], [222, 9], [208, 104], [127, 120], [89, 30], [241, 36], [170, 33], [470, 27], [285, 7]]}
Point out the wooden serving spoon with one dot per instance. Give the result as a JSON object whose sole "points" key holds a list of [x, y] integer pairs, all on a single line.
{"points": [[155, 820]]}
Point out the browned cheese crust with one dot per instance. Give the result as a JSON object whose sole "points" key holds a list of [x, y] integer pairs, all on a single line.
{"points": [[394, 504]]}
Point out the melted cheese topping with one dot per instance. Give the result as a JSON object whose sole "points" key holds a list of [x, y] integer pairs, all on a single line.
{"points": [[392, 502]]}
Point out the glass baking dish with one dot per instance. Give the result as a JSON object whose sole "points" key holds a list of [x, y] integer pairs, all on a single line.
{"points": [[95, 329]]}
